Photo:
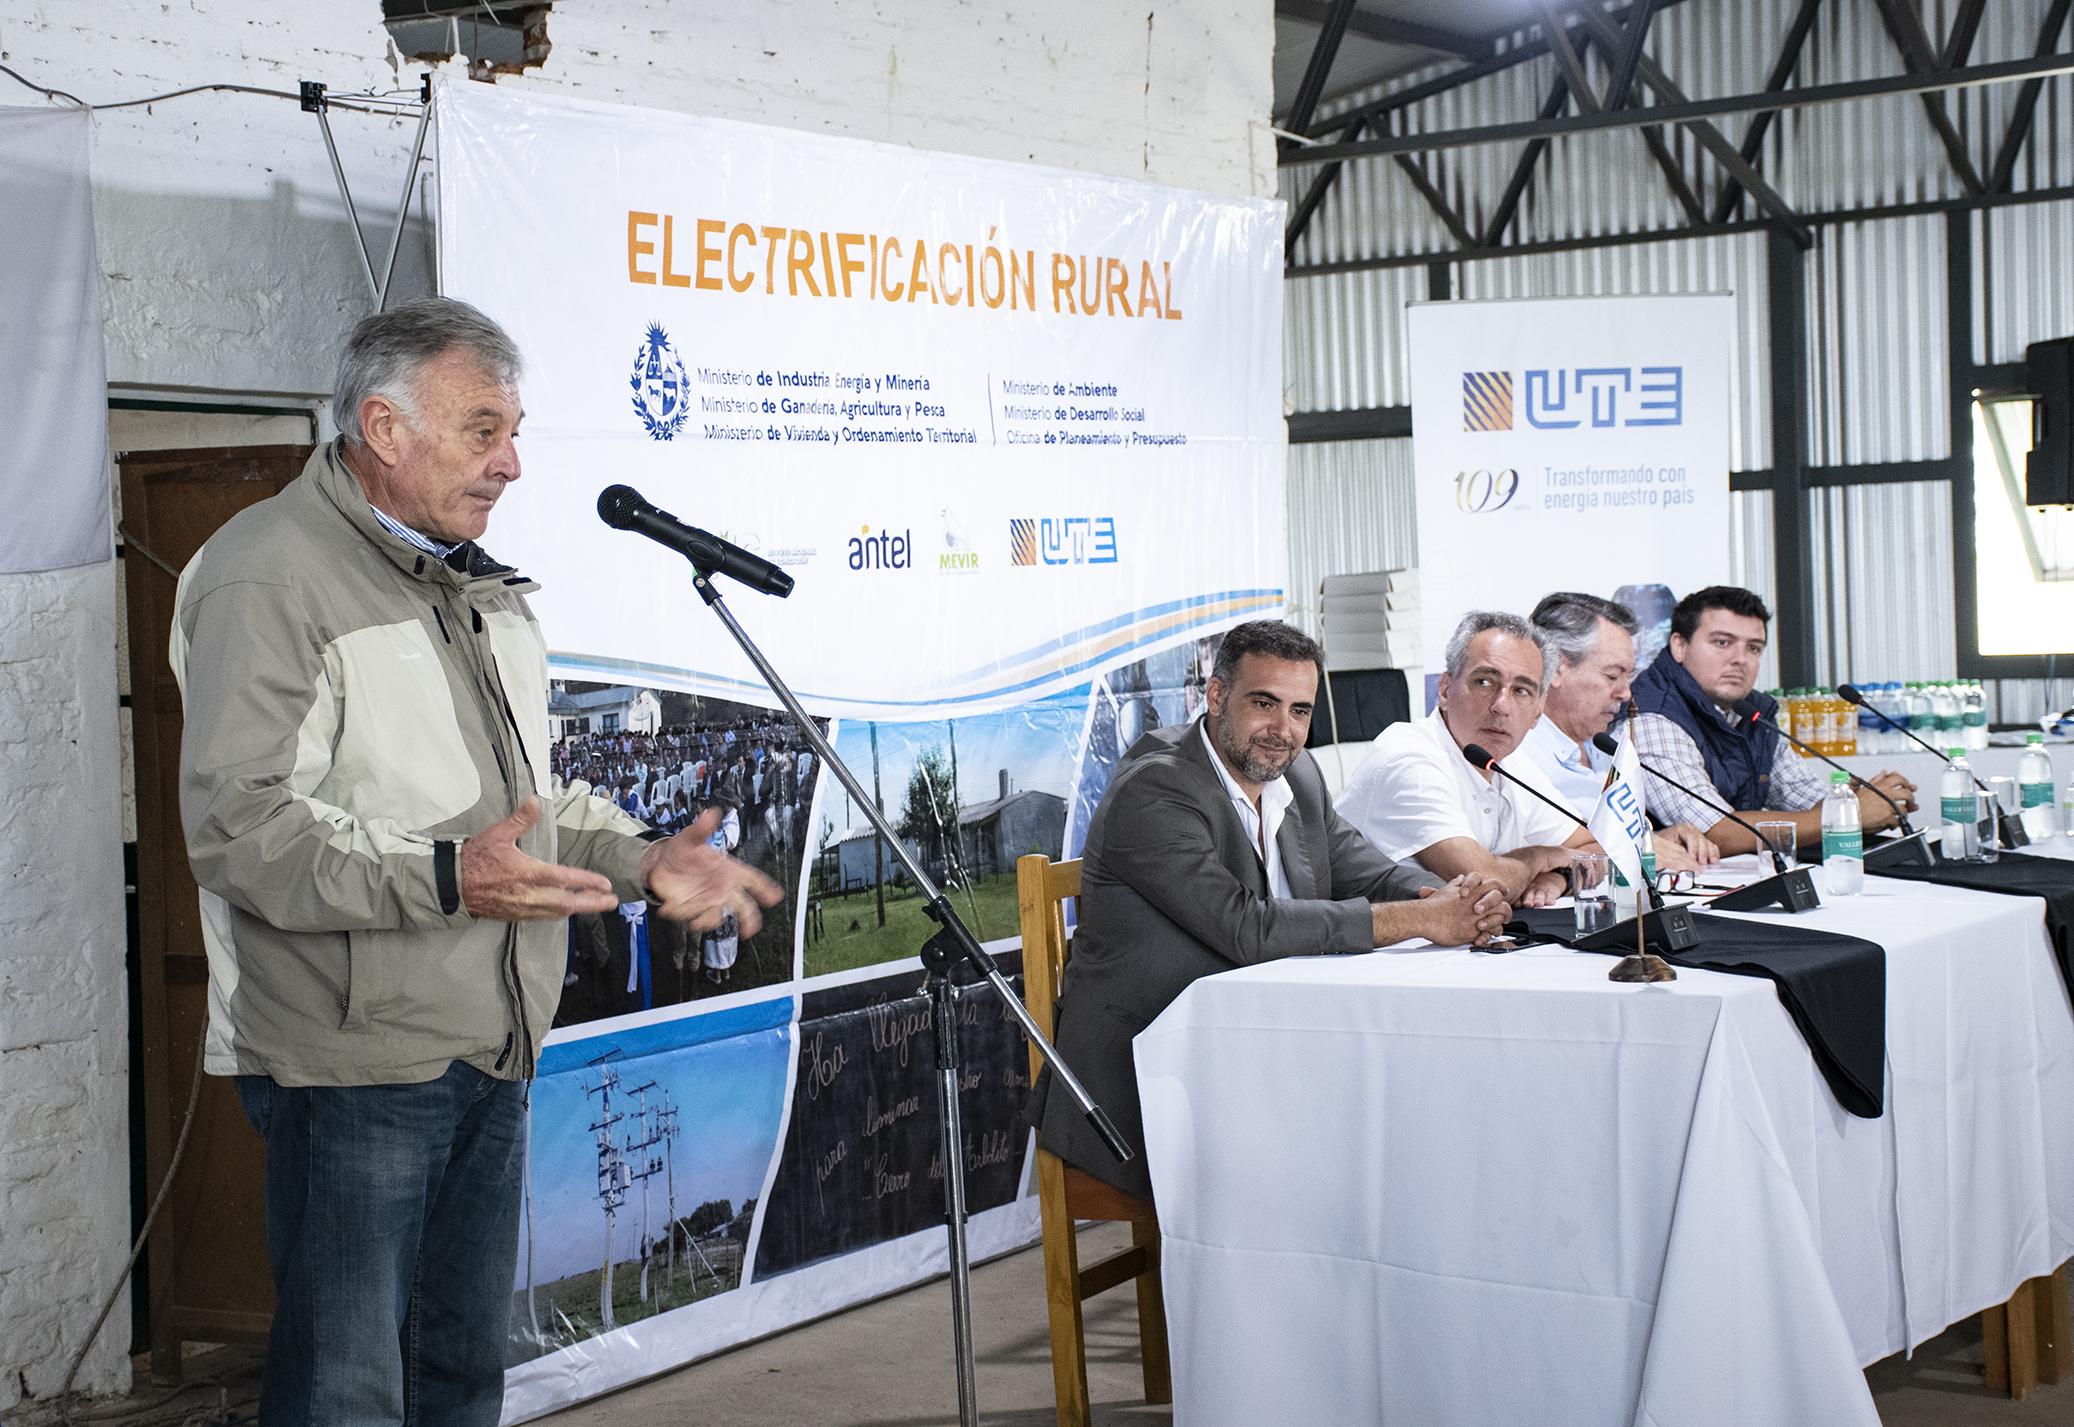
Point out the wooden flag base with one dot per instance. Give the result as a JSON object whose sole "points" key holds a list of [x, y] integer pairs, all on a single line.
{"points": [[1644, 965]]}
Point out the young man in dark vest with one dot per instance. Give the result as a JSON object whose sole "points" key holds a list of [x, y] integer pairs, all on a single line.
{"points": [[1687, 729]]}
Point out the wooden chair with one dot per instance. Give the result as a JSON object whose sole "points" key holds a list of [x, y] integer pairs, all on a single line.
{"points": [[1065, 1194], [2029, 1339]]}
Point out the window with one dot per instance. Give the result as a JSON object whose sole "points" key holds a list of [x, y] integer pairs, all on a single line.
{"points": [[497, 38], [611, 724], [2023, 555]]}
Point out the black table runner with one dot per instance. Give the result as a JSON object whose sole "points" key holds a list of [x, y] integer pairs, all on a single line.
{"points": [[2016, 874], [1833, 986]]}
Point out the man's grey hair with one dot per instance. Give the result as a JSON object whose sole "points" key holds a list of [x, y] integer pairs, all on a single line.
{"points": [[387, 351], [1477, 621], [1569, 623]]}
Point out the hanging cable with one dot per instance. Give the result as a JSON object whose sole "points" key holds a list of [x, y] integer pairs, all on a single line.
{"points": [[362, 103]]}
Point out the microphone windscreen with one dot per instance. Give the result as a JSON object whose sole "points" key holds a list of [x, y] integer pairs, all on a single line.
{"points": [[618, 505], [1606, 743], [1479, 755], [1746, 709], [1849, 694]]}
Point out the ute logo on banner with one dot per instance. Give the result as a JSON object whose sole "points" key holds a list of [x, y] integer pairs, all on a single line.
{"points": [[1062, 540], [1595, 459], [662, 388], [1658, 392]]}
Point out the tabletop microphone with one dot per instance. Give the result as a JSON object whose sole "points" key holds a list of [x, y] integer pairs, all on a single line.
{"points": [[1789, 887], [2011, 829], [622, 508], [1672, 928], [1747, 709]]}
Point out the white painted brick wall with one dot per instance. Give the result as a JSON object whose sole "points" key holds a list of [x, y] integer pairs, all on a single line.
{"points": [[229, 268], [64, 1056]]}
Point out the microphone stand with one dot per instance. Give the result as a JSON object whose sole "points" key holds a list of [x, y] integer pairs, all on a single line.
{"points": [[1911, 849], [1669, 927], [950, 945], [2010, 830], [1790, 887]]}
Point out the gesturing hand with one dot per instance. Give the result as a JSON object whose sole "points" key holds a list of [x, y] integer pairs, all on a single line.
{"points": [[700, 884], [501, 883]]}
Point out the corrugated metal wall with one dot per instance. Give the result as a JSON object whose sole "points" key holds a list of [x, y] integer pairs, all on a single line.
{"points": [[1350, 509], [1876, 298]]}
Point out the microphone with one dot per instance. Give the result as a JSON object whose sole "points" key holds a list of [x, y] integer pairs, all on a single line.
{"points": [[1670, 927], [1482, 758], [1790, 887], [2011, 829], [622, 508]]}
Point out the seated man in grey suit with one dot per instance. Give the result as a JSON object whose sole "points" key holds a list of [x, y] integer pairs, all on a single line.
{"points": [[1216, 846]]}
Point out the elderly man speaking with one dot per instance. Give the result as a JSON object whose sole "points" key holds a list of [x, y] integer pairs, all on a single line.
{"points": [[386, 861]]}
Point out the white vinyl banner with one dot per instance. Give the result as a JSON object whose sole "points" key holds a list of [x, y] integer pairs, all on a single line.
{"points": [[1570, 443], [53, 387], [1004, 425], [1016, 433]]}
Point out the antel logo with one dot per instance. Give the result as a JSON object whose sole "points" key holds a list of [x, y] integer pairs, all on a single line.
{"points": [[881, 550]]}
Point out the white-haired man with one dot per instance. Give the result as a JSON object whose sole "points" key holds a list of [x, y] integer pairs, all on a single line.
{"points": [[1593, 641], [387, 861]]}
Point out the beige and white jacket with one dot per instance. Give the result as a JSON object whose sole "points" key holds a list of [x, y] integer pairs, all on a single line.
{"points": [[355, 708]]}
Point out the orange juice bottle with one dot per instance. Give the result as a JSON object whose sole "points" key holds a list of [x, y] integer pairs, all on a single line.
{"points": [[1804, 724]]}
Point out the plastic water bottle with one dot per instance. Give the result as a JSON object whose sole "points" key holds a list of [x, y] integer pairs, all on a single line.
{"points": [[2034, 783], [1871, 733], [1944, 711], [1894, 704], [1921, 721], [1960, 807], [1974, 711], [1843, 839]]}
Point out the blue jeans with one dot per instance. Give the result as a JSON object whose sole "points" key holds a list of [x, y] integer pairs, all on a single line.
{"points": [[392, 1228]]}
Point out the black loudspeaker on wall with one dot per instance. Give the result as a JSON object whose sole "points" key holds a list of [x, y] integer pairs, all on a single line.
{"points": [[2049, 471]]}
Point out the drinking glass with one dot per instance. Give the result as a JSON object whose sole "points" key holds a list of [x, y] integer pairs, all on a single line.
{"points": [[1591, 883], [1781, 837]]}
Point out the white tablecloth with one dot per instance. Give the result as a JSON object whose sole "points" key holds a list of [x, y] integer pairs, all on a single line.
{"points": [[1431, 1186]]}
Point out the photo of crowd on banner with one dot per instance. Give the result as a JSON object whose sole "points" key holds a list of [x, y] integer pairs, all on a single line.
{"points": [[669, 758]]}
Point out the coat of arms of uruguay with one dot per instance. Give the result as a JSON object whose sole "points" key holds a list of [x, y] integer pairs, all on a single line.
{"points": [[662, 388]]}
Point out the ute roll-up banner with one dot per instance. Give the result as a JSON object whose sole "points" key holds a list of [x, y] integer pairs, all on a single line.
{"points": [[1570, 444], [1017, 435]]}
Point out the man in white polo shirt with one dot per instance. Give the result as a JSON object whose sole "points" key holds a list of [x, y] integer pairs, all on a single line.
{"points": [[1418, 798]]}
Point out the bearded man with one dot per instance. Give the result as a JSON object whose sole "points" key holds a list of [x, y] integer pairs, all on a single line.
{"points": [[1216, 846]]}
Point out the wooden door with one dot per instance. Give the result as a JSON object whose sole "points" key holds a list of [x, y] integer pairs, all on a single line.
{"points": [[209, 1279]]}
